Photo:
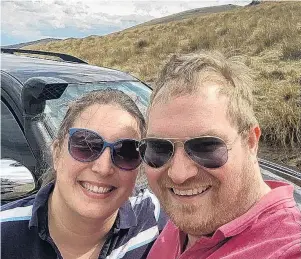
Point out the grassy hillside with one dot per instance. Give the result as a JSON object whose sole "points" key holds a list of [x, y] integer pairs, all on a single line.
{"points": [[188, 14], [267, 36], [25, 44]]}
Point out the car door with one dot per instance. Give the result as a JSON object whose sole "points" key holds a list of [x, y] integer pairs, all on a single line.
{"points": [[14, 145]]}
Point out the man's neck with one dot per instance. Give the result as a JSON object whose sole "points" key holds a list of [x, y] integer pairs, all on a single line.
{"points": [[191, 240], [74, 234]]}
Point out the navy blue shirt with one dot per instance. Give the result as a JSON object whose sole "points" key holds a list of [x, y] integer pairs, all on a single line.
{"points": [[25, 233]]}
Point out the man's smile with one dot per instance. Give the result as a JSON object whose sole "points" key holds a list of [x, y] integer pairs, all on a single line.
{"points": [[191, 192]]}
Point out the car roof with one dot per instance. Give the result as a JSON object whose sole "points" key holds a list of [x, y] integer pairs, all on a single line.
{"points": [[24, 67]]}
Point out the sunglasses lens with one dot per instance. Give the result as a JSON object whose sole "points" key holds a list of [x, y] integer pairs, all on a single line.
{"points": [[125, 154], [209, 152], [85, 145], [155, 152]]}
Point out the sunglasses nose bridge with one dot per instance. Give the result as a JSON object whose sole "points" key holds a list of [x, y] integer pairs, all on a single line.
{"points": [[181, 167], [107, 144], [103, 163], [111, 147], [177, 144]]}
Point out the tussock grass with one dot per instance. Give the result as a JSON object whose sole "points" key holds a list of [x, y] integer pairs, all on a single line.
{"points": [[291, 50], [268, 35]]}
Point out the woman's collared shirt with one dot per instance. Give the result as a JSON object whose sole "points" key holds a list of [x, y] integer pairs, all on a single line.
{"points": [[25, 233]]}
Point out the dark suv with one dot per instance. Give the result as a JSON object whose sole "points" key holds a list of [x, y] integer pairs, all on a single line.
{"points": [[34, 97]]}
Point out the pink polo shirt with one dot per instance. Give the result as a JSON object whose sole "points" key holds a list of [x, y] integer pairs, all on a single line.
{"points": [[269, 230]]}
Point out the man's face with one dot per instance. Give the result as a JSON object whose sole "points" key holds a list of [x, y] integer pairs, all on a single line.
{"points": [[228, 191]]}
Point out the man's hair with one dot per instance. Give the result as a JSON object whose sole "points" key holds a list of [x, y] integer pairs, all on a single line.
{"points": [[184, 74]]}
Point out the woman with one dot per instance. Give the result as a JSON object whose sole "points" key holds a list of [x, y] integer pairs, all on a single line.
{"points": [[86, 212]]}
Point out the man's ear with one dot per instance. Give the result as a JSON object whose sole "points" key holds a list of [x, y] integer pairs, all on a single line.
{"points": [[253, 139], [55, 150]]}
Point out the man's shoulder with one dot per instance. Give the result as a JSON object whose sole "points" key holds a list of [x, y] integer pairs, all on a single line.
{"points": [[274, 234], [284, 211], [284, 220]]}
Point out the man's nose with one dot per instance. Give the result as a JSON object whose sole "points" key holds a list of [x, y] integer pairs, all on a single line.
{"points": [[103, 165], [181, 167]]}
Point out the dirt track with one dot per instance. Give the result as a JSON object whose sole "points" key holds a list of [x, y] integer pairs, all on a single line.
{"points": [[289, 157]]}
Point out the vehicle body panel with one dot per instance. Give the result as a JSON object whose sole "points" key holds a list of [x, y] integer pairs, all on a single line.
{"points": [[70, 72]]}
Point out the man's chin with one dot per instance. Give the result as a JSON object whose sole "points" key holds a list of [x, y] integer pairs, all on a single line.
{"points": [[188, 218], [193, 226]]}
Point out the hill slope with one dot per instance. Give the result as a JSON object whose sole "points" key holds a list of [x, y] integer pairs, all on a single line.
{"points": [[266, 35], [189, 14], [27, 44]]}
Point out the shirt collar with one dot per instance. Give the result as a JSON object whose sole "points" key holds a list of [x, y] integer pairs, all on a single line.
{"points": [[40, 206], [126, 216], [281, 194]]}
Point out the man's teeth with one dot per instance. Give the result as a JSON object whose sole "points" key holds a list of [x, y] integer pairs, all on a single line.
{"points": [[96, 189], [191, 191]]}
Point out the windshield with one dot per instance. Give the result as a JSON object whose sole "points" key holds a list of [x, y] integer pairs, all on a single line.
{"points": [[55, 109]]}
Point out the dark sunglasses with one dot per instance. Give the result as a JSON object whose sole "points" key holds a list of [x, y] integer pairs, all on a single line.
{"points": [[86, 145], [207, 151]]}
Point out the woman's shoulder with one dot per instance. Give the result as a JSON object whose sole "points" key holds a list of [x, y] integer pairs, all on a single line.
{"points": [[18, 240], [17, 207], [144, 219], [144, 196], [15, 217], [146, 205]]}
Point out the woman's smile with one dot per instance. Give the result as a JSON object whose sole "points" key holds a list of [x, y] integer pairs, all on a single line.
{"points": [[96, 190]]}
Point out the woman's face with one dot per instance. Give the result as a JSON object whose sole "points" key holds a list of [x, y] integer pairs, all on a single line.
{"points": [[96, 189]]}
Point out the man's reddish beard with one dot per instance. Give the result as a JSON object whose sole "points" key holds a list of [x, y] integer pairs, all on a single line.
{"points": [[204, 218], [184, 215]]}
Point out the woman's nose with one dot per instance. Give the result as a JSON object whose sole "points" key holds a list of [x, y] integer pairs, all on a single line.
{"points": [[104, 165]]}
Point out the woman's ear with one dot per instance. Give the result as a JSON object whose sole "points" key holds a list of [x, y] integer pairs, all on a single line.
{"points": [[55, 150], [253, 139]]}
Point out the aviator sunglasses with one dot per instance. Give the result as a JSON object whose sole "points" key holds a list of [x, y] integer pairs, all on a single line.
{"points": [[86, 145], [207, 151]]}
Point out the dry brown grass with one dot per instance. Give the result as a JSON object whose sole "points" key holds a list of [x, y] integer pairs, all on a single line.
{"points": [[268, 35]]}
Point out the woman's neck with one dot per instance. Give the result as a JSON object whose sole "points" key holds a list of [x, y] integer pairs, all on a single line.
{"points": [[74, 235]]}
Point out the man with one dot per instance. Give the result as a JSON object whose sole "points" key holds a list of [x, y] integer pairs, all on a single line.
{"points": [[201, 162]]}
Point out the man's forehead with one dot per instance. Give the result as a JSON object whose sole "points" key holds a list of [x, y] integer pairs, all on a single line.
{"points": [[209, 91], [191, 115]]}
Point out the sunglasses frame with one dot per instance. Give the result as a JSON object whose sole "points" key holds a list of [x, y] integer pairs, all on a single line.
{"points": [[105, 145], [180, 140]]}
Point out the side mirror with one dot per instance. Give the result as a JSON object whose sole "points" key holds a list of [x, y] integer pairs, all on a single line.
{"points": [[37, 90], [16, 180]]}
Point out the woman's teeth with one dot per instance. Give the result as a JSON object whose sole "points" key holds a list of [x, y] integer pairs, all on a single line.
{"points": [[191, 191], [95, 189]]}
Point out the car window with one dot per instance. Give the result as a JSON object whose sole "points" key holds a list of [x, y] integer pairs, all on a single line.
{"points": [[56, 109], [13, 142]]}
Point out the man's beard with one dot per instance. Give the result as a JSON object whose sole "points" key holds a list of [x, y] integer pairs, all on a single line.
{"points": [[205, 218]]}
